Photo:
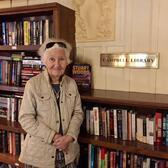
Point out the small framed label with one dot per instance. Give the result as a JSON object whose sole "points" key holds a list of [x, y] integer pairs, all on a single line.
{"points": [[130, 60]]}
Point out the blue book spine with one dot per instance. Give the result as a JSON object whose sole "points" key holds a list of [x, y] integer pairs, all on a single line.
{"points": [[92, 156], [4, 33]]}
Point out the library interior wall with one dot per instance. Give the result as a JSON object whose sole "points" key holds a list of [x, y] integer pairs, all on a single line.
{"points": [[140, 26]]}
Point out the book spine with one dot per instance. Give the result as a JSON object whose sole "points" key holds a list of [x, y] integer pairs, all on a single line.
{"points": [[96, 120], [115, 124], [158, 128], [4, 38]]}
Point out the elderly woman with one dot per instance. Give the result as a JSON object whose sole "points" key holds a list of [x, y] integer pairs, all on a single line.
{"points": [[51, 112]]}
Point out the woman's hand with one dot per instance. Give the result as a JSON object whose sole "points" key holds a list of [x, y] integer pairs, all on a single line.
{"points": [[62, 142]]}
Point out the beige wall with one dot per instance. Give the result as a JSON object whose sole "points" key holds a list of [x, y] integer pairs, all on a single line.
{"points": [[141, 25]]}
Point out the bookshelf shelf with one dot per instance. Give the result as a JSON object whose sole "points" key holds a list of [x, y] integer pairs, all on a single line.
{"points": [[10, 126], [11, 88], [20, 48], [133, 99], [10, 159], [128, 146]]}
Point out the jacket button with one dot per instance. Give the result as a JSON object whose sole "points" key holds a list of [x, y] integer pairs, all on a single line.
{"points": [[57, 121], [42, 97], [63, 119], [69, 94], [61, 101], [52, 156]]}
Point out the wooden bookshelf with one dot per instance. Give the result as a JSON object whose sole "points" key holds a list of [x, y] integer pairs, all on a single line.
{"points": [[143, 103], [140, 100], [128, 146]]}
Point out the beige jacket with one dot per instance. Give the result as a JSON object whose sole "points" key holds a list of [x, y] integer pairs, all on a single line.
{"points": [[39, 117]]}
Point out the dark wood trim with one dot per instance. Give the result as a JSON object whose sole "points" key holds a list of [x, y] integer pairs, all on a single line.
{"points": [[20, 48], [10, 126], [128, 146], [30, 8], [10, 159], [135, 99]]}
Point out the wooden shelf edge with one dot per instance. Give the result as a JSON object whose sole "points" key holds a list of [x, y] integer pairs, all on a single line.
{"points": [[11, 88], [19, 48], [10, 159], [124, 98], [127, 146], [10, 126]]}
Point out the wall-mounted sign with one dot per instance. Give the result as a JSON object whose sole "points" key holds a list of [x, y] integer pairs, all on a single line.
{"points": [[130, 60]]}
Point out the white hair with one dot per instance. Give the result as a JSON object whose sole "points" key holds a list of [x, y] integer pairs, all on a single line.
{"points": [[42, 50]]}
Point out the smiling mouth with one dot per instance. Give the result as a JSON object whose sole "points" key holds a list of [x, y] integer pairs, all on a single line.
{"points": [[57, 69]]}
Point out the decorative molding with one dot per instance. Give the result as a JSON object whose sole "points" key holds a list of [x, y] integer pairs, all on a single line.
{"points": [[95, 20]]}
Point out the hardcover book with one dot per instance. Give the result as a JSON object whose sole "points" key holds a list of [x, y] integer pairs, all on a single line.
{"points": [[81, 73]]}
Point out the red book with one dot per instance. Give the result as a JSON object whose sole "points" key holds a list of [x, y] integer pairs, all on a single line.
{"points": [[158, 128]]}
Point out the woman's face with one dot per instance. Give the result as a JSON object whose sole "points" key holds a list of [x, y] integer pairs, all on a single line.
{"points": [[56, 62]]}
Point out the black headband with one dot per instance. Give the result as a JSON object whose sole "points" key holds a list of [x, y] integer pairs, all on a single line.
{"points": [[51, 44]]}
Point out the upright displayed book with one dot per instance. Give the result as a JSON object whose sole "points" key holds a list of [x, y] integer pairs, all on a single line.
{"points": [[81, 73]]}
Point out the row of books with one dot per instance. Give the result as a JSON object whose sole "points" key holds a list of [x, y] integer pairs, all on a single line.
{"points": [[127, 125], [10, 142], [16, 70], [27, 31], [100, 157], [31, 66], [9, 106]]}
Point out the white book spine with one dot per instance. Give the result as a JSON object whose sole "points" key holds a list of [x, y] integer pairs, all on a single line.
{"points": [[124, 124], [96, 120], [8, 108], [147, 130], [12, 109], [133, 117], [115, 123], [139, 129], [151, 131], [108, 122]]}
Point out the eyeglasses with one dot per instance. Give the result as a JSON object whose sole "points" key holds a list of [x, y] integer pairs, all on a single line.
{"points": [[51, 44]]}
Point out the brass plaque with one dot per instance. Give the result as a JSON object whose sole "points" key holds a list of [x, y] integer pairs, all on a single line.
{"points": [[130, 60]]}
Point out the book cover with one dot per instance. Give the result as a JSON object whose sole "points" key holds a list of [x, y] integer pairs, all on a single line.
{"points": [[81, 73]]}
